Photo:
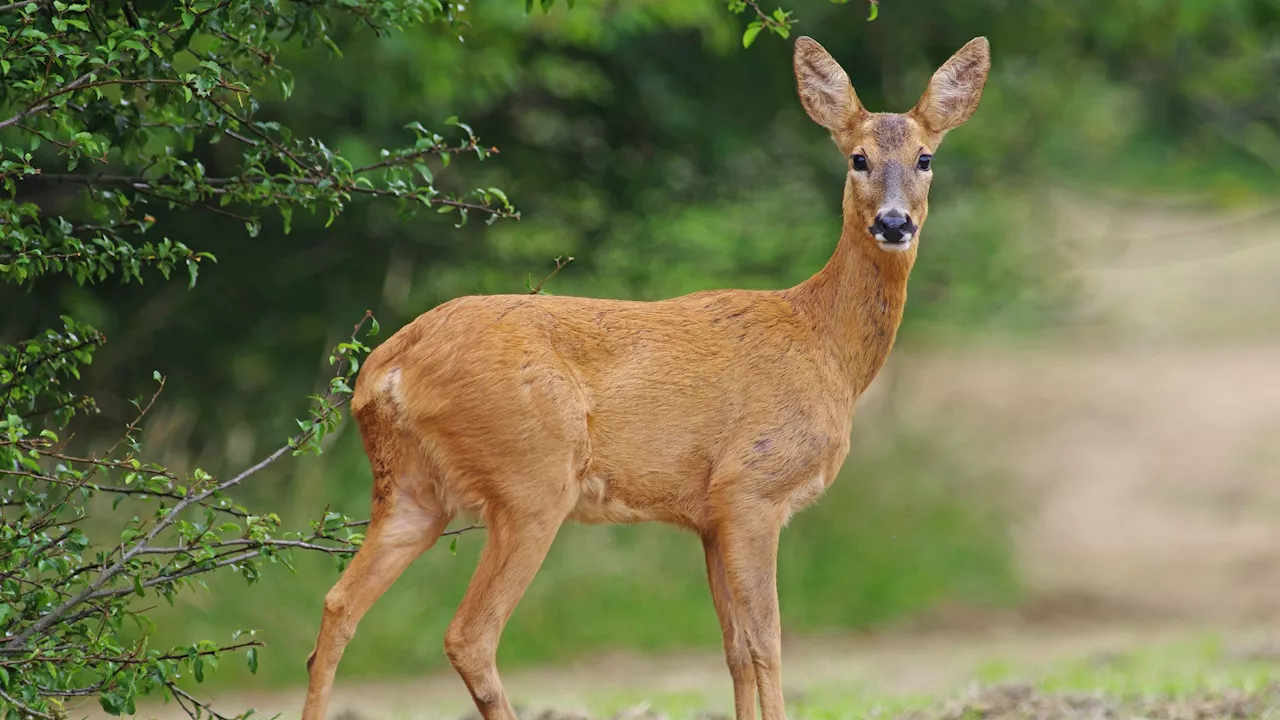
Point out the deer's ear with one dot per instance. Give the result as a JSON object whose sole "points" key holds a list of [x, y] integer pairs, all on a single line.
{"points": [[956, 88], [823, 86]]}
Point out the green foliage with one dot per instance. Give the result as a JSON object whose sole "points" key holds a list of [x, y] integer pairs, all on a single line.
{"points": [[66, 597], [126, 97], [121, 100]]}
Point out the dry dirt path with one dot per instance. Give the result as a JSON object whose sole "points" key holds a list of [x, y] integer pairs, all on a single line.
{"points": [[893, 664]]}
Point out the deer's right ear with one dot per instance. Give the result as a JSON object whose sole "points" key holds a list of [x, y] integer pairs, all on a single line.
{"points": [[823, 86]]}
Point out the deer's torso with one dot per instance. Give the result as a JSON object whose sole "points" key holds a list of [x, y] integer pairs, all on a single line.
{"points": [[660, 409]]}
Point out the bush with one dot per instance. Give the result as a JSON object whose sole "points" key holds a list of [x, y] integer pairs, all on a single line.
{"points": [[131, 108], [128, 103]]}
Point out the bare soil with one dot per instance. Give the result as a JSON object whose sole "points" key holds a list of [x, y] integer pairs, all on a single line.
{"points": [[1018, 702], [1021, 702]]}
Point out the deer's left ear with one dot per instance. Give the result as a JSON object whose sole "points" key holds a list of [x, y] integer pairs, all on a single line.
{"points": [[956, 88]]}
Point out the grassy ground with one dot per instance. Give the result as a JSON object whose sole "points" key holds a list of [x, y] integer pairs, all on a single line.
{"points": [[1080, 671], [1198, 677]]}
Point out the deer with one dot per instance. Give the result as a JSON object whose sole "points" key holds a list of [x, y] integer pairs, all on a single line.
{"points": [[722, 412]]}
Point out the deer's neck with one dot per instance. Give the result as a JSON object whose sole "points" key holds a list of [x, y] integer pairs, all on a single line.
{"points": [[857, 300]]}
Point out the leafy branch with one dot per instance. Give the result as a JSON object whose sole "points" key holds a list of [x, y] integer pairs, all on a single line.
{"points": [[55, 586], [779, 22]]}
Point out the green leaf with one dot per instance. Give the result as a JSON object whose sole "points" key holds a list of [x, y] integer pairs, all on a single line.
{"points": [[752, 31], [252, 657], [875, 10], [453, 545]]}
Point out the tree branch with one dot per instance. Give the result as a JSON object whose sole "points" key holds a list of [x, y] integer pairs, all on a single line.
{"points": [[93, 591], [179, 694], [31, 712], [24, 3], [44, 103]]}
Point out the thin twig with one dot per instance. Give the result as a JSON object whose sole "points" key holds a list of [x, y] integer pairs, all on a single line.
{"points": [[409, 157], [95, 340], [263, 544], [254, 129], [559, 266], [182, 201], [766, 20], [93, 590], [78, 400], [117, 489], [22, 4], [44, 136], [180, 694], [43, 104], [430, 201], [251, 544], [134, 659], [21, 707], [217, 186]]}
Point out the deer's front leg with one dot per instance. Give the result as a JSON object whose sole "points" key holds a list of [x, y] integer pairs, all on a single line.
{"points": [[736, 651], [749, 546]]}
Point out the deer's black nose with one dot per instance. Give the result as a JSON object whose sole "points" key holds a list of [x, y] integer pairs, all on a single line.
{"points": [[892, 226]]}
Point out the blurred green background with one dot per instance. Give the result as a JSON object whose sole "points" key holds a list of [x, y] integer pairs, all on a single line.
{"points": [[639, 137]]}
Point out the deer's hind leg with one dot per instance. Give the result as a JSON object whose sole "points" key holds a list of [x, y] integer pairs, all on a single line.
{"points": [[406, 520], [518, 534]]}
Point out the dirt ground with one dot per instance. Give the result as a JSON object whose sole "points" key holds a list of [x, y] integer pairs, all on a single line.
{"points": [[1143, 450], [1015, 702]]}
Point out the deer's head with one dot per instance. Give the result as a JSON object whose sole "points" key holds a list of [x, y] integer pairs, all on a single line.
{"points": [[890, 155]]}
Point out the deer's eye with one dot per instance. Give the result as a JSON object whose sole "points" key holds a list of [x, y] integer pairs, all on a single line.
{"points": [[924, 162], [859, 162]]}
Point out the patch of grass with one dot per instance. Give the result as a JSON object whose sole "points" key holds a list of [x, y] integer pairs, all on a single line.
{"points": [[1199, 678], [909, 525], [1198, 665]]}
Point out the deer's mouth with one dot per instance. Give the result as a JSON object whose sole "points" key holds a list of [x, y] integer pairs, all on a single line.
{"points": [[895, 241]]}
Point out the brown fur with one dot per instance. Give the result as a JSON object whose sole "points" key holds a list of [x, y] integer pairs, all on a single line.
{"points": [[723, 412]]}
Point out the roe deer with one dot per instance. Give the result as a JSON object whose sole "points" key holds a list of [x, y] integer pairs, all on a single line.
{"points": [[723, 412]]}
